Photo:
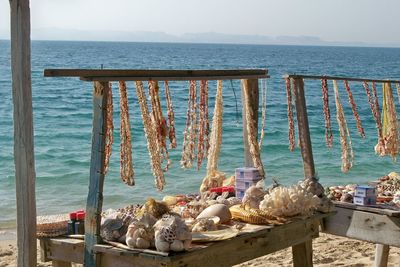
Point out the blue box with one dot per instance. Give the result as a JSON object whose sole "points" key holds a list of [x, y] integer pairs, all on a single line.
{"points": [[364, 200], [365, 191]]}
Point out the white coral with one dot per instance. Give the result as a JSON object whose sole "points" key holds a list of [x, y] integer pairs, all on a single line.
{"points": [[289, 202]]}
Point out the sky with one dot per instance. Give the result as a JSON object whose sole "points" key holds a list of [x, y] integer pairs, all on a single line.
{"points": [[371, 21]]}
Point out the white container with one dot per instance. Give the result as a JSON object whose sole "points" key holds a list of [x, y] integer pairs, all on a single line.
{"points": [[364, 200], [365, 191], [247, 173]]}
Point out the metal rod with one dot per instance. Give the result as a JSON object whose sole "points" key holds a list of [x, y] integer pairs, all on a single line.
{"points": [[338, 78]]}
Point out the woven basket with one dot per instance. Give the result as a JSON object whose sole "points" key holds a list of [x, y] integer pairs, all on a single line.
{"points": [[52, 225]]}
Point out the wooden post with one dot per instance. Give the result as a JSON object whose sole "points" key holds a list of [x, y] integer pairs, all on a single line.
{"points": [[302, 253], [250, 85], [381, 255], [23, 132], [304, 131], [94, 202]]}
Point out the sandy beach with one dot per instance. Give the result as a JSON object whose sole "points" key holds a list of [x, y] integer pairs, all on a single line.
{"points": [[329, 250]]}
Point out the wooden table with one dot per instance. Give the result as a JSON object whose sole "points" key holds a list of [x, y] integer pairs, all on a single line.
{"points": [[249, 244], [376, 225]]}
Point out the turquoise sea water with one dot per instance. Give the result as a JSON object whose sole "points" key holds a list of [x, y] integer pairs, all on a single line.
{"points": [[63, 117]]}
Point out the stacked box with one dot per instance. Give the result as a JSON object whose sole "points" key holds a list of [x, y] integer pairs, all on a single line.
{"points": [[244, 178], [364, 195]]}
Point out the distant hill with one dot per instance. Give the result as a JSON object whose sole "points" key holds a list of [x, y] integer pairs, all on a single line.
{"points": [[205, 37]]}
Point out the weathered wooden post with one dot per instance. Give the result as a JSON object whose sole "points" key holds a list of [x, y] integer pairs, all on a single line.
{"points": [[95, 195], [23, 132], [250, 85], [302, 253]]}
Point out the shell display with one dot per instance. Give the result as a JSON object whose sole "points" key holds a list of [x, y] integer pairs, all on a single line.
{"points": [[354, 109], [171, 117], [109, 129], [289, 202], [327, 113], [171, 234], [291, 131], [140, 233]]}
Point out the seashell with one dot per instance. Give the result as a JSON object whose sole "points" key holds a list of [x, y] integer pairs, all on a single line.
{"points": [[220, 210], [155, 208], [142, 243], [204, 225], [170, 200], [168, 234], [112, 229], [341, 187], [254, 195], [161, 245], [186, 244], [234, 201], [177, 246], [346, 198]]}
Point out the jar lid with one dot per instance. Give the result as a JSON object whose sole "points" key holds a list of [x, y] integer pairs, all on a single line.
{"points": [[80, 215], [72, 215]]}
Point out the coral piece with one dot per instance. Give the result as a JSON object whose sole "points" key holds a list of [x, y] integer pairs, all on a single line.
{"points": [[212, 179], [327, 113], [289, 202], [291, 132], [345, 139], [155, 208], [151, 135], [127, 172]]}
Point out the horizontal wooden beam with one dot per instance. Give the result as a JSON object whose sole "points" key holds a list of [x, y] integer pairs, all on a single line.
{"points": [[156, 75], [338, 78]]}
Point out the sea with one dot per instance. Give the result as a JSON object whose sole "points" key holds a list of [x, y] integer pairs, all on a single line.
{"points": [[62, 109]]}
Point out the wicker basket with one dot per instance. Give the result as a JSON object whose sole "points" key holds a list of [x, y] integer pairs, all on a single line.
{"points": [[52, 225]]}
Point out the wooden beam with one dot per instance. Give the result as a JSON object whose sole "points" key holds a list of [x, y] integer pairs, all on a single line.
{"points": [[155, 75], [304, 131], [338, 78], [302, 254], [250, 85], [94, 202], [381, 255], [23, 132]]}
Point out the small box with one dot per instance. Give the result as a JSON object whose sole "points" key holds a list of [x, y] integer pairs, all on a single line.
{"points": [[247, 173], [365, 191], [244, 184], [364, 200], [240, 193]]}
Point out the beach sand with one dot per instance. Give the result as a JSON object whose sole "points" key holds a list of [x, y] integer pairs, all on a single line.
{"points": [[329, 250]]}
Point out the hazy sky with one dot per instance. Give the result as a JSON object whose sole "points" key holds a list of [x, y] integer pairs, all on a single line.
{"points": [[332, 20]]}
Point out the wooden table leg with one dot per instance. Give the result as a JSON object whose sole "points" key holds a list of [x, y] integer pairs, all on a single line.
{"points": [[302, 254], [381, 255]]}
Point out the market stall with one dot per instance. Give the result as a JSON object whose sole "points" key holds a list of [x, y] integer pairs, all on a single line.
{"points": [[377, 221], [264, 227]]}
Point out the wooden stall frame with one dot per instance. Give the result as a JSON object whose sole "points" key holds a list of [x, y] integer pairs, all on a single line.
{"points": [[302, 252], [24, 158], [344, 226]]}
